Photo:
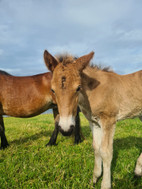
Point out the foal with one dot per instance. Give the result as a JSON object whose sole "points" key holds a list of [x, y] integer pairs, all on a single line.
{"points": [[27, 97], [103, 96]]}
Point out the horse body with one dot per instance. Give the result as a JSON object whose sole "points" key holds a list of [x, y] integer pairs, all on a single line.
{"points": [[131, 98], [104, 97], [115, 98], [115, 95], [25, 96]]}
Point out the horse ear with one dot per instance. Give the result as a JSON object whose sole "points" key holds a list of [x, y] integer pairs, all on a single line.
{"points": [[83, 61], [50, 61]]}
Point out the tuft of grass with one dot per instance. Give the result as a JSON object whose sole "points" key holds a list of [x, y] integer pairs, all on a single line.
{"points": [[28, 164]]}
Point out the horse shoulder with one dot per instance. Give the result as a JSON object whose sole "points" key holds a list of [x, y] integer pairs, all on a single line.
{"points": [[104, 98]]}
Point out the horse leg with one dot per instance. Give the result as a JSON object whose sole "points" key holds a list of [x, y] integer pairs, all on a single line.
{"points": [[77, 128], [138, 168], [4, 142], [97, 135], [54, 135], [140, 118], [106, 150], [53, 138]]}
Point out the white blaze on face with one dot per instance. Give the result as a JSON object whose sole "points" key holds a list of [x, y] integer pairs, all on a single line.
{"points": [[66, 122]]}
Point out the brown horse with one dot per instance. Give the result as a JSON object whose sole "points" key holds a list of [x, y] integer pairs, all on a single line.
{"points": [[27, 97], [103, 96]]}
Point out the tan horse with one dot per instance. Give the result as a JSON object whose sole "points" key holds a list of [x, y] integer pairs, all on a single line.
{"points": [[104, 97], [27, 97]]}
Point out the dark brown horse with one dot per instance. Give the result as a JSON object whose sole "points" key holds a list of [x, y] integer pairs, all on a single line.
{"points": [[27, 97]]}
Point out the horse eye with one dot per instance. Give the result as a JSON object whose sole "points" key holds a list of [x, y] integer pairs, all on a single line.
{"points": [[53, 91], [78, 88]]}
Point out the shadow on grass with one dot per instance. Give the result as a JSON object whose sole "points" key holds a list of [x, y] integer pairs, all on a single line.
{"points": [[129, 183], [128, 142], [125, 144], [36, 136], [86, 131]]}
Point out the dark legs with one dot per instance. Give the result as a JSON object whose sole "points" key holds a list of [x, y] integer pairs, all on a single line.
{"points": [[77, 128], [140, 118], [4, 142], [53, 138]]}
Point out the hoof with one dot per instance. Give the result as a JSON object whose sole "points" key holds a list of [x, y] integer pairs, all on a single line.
{"points": [[138, 170], [4, 146], [78, 141]]}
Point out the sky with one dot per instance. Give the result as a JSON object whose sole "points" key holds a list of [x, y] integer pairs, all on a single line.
{"points": [[112, 28]]}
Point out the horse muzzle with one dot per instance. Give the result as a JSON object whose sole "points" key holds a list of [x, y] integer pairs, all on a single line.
{"points": [[67, 133], [66, 125]]}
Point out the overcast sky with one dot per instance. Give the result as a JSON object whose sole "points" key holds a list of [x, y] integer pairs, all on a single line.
{"points": [[112, 28]]}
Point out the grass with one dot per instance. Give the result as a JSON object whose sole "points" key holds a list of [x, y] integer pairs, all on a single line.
{"points": [[28, 164]]}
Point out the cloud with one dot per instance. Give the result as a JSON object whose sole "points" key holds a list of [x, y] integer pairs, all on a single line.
{"points": [[113, 29], [1, 52]]}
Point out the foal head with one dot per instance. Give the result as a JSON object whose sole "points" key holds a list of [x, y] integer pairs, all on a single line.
{"points": [[66, 84]]}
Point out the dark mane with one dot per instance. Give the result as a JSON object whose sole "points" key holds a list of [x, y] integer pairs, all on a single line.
{"points": [[4, 73], [65, 59], [100, 67], [68, 59]]}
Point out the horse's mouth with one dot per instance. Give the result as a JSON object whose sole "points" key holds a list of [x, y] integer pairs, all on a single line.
{"points": [[67, 133]]}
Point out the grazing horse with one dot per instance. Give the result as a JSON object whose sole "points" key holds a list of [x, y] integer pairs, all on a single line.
{"points": [[103, 96], [27, 97]]}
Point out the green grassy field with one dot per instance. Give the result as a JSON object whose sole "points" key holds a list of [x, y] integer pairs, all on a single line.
{"points": [[27, 163]]}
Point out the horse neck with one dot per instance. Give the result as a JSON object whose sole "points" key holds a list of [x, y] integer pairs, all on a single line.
{"points": [[90, 79], [89, 83]]}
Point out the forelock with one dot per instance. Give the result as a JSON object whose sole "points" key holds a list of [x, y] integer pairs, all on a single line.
{"points": [[65, 59]]}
